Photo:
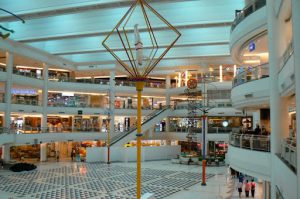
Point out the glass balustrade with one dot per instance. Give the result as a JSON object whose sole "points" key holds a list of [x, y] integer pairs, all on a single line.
{"points": [[148, 84], [210, 130], [286, 55], [251, 74], [27, 74], [248, 10], [251, 142], [27, 102], [78, 80], [289, 151]]}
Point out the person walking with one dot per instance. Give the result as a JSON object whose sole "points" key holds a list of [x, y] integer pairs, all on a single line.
{"points": [[57, 156], [253, 185], [240, 188], [73, 152], [247, 188]]}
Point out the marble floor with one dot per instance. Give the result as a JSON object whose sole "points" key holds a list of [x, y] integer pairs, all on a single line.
{"points": [[70, 180]]}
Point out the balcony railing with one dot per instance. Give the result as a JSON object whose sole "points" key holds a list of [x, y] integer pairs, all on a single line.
{"points": [[251, 74], [289, 152], [252, 142], [286, 55], [248, 10], [148, 84], [35, 130], [27, 74], [27, 102], [211, 130], [74, 80]]}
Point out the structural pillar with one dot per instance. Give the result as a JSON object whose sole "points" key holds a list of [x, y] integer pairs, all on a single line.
{"points": [[278, 105], [112, 96], [8, 85], [5, 153], [45, 96], [296, 42], [43, 152], [168, 101]]}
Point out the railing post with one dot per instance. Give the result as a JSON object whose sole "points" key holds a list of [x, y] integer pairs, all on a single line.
{"points": [[251, 142], [241, 141]]}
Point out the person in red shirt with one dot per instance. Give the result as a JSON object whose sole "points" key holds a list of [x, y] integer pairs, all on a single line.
{"points": [[253, 185], [247, 188]]}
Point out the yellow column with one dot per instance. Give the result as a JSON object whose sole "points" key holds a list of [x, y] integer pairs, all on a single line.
{"points": [[139, 89]]}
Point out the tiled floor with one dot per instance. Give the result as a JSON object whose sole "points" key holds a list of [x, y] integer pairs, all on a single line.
{"points": [[115, 181]]}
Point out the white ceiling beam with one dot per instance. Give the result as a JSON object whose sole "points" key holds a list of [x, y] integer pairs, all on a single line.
{"points": [[187, 13], [35, 54], [37, 9], [197, 36]]}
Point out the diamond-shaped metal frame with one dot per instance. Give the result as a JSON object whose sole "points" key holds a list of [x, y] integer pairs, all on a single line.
{"points": [[132, 69]]}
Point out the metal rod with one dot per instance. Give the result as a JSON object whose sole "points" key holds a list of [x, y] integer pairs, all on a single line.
{"points": [[139, 89]]}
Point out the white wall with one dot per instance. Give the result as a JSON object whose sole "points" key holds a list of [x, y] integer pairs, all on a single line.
{"points": [[122, 154], [253, 163], [259, 89], [49, 137], [286, 82], [182, 136], [285, 179], [229, 111], [251, 26]]}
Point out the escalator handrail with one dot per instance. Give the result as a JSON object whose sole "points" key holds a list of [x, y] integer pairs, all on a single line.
{"points": [[120, 136]]}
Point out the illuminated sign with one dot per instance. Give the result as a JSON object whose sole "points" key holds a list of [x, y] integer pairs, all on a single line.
{"points": [[23, 91], [251, 46]]}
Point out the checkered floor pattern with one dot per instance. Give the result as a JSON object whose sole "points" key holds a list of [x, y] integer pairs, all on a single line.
{"points": [[95, 181]]}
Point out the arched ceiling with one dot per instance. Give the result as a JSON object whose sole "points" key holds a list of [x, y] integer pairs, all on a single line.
{"points": [[74, 29]]}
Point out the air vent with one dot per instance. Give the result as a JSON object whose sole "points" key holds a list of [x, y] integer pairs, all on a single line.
{"points": [[221, 113], [61, 112], [34, 111]]}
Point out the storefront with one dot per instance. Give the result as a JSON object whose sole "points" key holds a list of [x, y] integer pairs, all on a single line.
{"points": [[131, 103], [59, 123], [25, 123], [25, 96], [71, 99]]}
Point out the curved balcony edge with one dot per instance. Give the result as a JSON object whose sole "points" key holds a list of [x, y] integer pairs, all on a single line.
{"points": [[252, 26], [254, 163], [251, 94]]}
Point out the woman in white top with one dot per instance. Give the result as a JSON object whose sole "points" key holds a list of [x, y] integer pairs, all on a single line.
{"points": [[240, 188]]}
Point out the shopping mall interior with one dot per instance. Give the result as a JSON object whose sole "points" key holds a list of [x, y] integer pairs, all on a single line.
{"points": [[172, 99]]}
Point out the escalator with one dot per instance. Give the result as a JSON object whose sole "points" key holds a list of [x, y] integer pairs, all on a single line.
{"points": [[122, 138]]}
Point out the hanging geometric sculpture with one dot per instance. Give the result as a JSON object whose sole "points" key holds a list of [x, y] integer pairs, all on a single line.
{"points": [[136, 45]]}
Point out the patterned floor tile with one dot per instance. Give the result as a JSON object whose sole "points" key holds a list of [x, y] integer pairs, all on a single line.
{"points": [[26, 188], [67, 193], [159, 192], [66, 180]]}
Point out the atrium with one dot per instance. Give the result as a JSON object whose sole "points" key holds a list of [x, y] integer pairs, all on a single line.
{"points": [[124, 99]]}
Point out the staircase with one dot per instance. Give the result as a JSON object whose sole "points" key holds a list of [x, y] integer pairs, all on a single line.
{"points": [[122, 138]]}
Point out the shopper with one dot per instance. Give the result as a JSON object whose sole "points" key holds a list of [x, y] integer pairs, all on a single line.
{"points": [[240, 188], [257, 130], [73, 152], [253, 185], [57, 156], [241, 178], [247, 188]]}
